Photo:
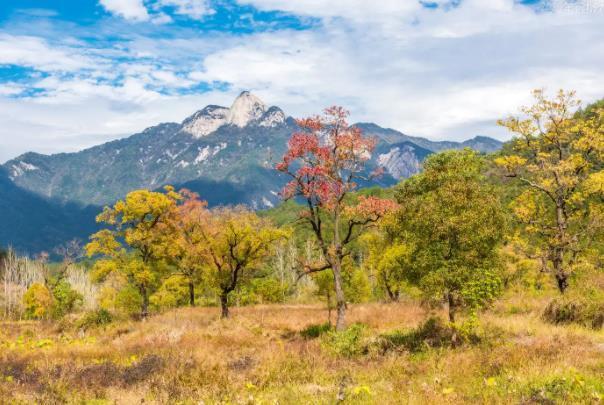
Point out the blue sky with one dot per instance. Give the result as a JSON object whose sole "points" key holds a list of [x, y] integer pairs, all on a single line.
{"points": [[74, 73]]}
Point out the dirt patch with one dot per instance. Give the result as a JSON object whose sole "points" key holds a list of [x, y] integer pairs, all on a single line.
{"points": [[96, 375], [21, 371], [141, 370], [241, 364]]}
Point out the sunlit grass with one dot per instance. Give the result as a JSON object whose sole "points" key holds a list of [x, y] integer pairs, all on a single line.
{"points": [[189, 355]]}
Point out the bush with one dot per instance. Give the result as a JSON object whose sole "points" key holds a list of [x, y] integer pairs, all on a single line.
{"points": [[174, 292], [433, 333], [66, 299], [581, 311], [349, 343], [38, 302], [95, 318], [270, 290], [357, 286], [120, 299], [259, 291], [315, 330]]}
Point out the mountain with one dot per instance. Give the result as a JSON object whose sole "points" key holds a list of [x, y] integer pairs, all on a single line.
{"points": [[231, 147], [30, 223], [478, 143], [226, 154]]}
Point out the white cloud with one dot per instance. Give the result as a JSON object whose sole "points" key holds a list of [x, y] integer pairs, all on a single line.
{"points": [[10, 89], [128, 9], [195, 9], [36, 53], [137, 10], [451, 75], [357, 10], [445, 74]]}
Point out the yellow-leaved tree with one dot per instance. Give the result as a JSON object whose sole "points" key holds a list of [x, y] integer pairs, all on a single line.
{"points": [[556, 156], [390, 256], [186, 249], [134, 242], [236, 243]]}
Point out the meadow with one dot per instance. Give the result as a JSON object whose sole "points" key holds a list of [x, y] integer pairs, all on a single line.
{"points": [[267, 354]]}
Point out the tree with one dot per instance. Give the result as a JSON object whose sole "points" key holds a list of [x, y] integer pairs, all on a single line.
{"points": [[453, 221], [236, 242], [65, 298], [38, 301], [553, 156], [325, 159], [185, 250], [389, 257], [134, 243]]}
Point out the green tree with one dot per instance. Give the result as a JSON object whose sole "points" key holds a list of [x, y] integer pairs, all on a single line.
{"points": [[453, 221], [65, 298], [556, 156], [134, 243]]}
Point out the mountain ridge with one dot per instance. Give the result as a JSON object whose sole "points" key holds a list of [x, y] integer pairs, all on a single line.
{"points": [[226, 154]]}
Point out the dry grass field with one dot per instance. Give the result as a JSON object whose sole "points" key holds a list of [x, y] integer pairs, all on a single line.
{"points": [[259, 357]]}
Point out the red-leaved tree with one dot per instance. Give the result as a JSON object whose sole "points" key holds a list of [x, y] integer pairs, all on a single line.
{"points": [[325, 159]]}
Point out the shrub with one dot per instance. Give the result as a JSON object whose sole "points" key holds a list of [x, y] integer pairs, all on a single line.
{"points": [[581, 311], [348, 343], [95, 318], [37, 301], [357, 286], [66, 299], [260, 290], [174, 292], [270, 289], [121, 299], [315, 330], [434, 332]]}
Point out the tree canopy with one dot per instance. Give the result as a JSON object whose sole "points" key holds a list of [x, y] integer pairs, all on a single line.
{"points": [[453, 222], [557, 157], [325, 160]]}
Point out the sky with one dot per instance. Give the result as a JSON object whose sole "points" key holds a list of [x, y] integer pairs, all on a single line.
{"points": [[76, 73]]}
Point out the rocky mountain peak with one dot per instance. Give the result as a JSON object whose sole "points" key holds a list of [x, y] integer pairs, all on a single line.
{"points": [[272, 117], [205, 121], [246, 108]]}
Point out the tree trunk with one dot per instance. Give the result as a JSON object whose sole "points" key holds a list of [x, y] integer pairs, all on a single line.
{"points": [[558, 259], [224, 304], [452, 311], [452, 307], [393, 295], [561, 280], [145, 303], [329, 307], [191, 294], [559, 273], [340, 297]]}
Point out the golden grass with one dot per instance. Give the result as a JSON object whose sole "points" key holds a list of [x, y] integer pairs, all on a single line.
{"points": [[258, 356]]}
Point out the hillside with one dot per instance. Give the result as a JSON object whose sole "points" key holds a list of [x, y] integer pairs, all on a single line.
{"points": [[31, 224]]}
